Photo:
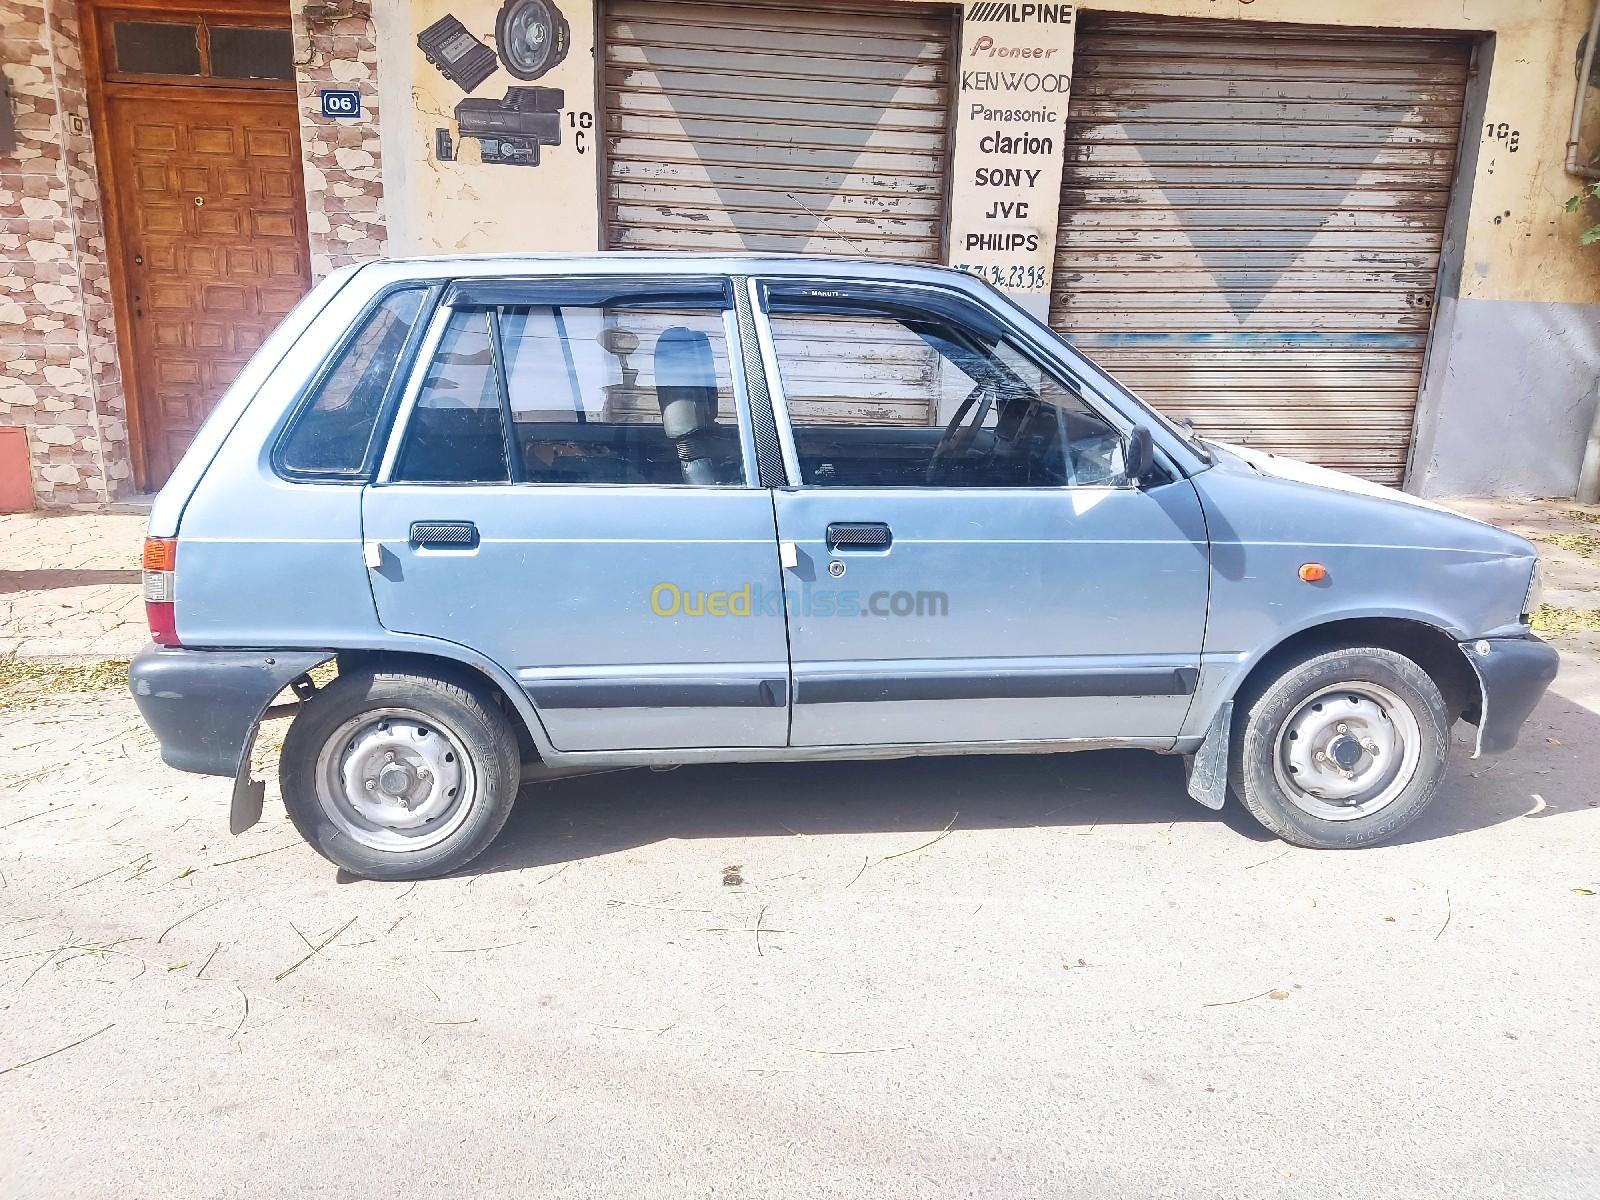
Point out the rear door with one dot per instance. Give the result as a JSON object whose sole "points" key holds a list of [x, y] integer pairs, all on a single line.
{"points": [[570, 491], [969, 562]]}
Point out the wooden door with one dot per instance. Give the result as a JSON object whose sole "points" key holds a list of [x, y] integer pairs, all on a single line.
{"points": [[212, 208]]}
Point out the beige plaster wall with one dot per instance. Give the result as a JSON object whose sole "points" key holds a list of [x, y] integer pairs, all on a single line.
{"points": [[468, 205], [1014, 81]]}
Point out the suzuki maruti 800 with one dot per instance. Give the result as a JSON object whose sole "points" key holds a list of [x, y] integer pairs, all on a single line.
{"points": [[546, 514]]}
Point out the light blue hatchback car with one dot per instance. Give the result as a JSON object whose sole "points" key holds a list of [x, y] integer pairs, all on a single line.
{"points": [[556, 514]]}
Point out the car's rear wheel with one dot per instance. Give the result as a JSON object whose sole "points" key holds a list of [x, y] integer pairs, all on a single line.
{"points": [[399, 775], [1344, 749]]}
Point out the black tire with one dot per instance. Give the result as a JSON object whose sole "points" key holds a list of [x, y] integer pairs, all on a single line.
{"points": [[1253, 768], [453, 704]]}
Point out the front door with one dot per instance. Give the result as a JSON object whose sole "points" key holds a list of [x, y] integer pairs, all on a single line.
{"points": [[203, 154], [969, 562], [571, 493]]}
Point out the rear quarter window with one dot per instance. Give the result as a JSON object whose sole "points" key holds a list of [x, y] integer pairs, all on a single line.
{"points": [[332, 434]]}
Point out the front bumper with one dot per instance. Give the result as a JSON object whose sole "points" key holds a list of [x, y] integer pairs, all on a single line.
{"points": [[1513, 674], [204, 705]]}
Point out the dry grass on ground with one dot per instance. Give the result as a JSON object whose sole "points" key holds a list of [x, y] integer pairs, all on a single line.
{"points": [[1553, 619], [1586, 544], [29, 682]]}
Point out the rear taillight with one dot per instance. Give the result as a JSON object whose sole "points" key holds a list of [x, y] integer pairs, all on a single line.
{"points": [[160, 583]]}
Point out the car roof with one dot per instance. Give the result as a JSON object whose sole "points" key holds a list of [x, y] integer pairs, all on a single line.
{"points": [[626, 262]]}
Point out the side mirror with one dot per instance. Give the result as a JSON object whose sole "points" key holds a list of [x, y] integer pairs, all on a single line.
{"points": [[1139, 456]]}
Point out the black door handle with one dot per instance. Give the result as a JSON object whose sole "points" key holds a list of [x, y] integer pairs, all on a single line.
{"points": [[859, 535], [444, 535]]}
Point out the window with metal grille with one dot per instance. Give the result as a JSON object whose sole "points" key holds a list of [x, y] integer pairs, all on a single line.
{"points": [[251, 52], [240, 51], [156, 48]]}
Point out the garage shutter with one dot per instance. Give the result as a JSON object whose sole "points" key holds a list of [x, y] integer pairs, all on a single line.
{"points": [[776, 128], [1251, 224]]}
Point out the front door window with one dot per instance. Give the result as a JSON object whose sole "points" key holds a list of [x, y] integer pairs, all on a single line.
{"points": [[937, 405]]}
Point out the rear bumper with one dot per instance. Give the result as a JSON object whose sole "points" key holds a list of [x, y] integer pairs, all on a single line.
{"points": [[204, 705], [1513, 674]]}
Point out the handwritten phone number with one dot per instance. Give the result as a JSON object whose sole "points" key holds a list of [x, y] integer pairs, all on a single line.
{"points": [[1014, 278]]}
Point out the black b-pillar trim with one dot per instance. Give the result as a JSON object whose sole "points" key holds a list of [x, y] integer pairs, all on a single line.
{"points": [[769, 454]]}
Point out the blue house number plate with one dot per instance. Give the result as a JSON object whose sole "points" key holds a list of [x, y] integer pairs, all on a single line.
{"points": [[341, 102]]}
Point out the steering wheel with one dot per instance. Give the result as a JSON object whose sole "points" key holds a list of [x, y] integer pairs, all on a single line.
{"points": [[960, 441]]}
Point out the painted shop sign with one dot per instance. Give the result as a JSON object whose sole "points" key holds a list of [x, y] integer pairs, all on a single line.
{"points": [[1008, 159], [1021, 14], [1054, 84], [501, 119]]}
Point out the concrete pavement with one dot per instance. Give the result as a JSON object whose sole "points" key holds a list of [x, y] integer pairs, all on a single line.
{"points": [[70, 585], [791, 981], [1030, 977]]}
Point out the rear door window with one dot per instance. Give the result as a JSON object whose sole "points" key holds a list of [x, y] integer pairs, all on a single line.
{"points": [[621, 396], [457, 429], [578, 394]]}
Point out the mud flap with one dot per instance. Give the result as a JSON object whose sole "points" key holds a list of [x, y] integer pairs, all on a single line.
{"points": [[249, 795], [1208, 766]]}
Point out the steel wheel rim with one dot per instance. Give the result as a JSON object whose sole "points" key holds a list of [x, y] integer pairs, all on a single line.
{"points": [[1347, 751], [395, 780]]}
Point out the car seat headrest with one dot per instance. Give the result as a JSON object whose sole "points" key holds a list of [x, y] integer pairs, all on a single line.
{"points": [[686, 381]]}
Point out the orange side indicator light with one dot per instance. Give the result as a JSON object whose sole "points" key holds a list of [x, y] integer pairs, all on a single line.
{"points": [[1313, 572]]}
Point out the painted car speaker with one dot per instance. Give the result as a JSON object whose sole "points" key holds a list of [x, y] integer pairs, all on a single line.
{"points": [[532, 36]]}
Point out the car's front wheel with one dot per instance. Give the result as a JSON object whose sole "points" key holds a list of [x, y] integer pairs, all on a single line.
{"points": [[1344, 749], [398, 775]]}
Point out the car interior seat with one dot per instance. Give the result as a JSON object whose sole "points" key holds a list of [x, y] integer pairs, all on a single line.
{"points": [[686, 390]]}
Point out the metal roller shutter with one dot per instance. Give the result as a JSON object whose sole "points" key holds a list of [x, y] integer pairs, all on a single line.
{"points": [[787, 128], [1251, 224]]}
